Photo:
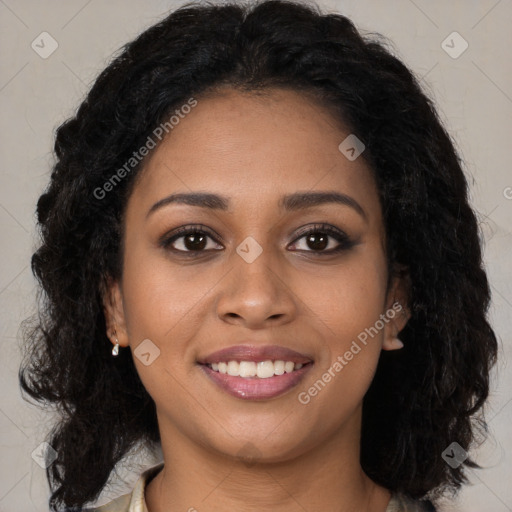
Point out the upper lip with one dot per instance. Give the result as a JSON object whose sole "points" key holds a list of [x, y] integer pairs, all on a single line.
{"points": [[255, 353]]}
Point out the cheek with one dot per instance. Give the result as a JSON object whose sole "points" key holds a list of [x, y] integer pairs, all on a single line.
{"points": [[159, 294], [166, 303], [348, 304], [348, 297], [158, 300]]}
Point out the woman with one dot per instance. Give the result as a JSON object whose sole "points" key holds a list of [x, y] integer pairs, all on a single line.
{"points": [[258, 251]]}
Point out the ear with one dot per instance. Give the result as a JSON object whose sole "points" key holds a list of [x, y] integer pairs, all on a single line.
{"points": [[113, 308], [397, 308]]}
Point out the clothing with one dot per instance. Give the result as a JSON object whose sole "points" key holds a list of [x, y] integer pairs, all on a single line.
{"points": [[135, 502]]}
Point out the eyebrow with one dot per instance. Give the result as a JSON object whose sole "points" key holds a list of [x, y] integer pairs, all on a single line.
{"points": [[291, 202]]}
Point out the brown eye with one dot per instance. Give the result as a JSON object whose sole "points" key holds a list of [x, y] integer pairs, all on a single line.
{"points": [[195, 241], [323, 239], [188, 239], [317, 241]]}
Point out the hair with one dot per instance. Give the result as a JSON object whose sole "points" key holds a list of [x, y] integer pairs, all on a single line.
{"points": [[422, 398]]}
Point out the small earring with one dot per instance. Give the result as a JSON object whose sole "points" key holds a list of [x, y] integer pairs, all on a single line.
{"points": [[115, 349]]}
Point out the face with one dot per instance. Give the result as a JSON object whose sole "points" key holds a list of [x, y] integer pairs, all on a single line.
{"points": [[302, 273]]}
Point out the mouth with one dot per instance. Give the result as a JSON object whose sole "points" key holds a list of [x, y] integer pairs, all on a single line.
{"points": [[256, 373]]}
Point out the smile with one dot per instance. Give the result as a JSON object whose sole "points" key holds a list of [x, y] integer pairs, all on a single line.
{"points": [[251, 380], [259, 369]]}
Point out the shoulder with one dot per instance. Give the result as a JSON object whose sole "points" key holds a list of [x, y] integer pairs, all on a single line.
{"points": [[401, 503], [134, 501]]}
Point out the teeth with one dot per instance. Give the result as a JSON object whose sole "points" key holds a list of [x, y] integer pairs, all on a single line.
{"points": [[246, 369], [261, 369], [234, 369], [265, 369], [278, 367]]}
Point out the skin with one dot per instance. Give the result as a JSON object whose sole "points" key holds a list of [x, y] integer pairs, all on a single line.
{"points": [[255, 149]]}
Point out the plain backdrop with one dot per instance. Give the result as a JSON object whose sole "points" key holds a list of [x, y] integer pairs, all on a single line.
{"points": [[472, 89]]}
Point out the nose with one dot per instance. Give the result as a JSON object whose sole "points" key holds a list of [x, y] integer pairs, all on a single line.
{"points": [[257, 294]]}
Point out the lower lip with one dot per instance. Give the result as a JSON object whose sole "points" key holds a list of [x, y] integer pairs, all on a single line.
{"points": [[254, 388]]}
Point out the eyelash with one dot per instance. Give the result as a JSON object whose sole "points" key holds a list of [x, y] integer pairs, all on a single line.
{"points": [[344, 241]]}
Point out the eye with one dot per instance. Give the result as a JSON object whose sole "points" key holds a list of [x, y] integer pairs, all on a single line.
{"points": [[320, 237], [194, 239]]}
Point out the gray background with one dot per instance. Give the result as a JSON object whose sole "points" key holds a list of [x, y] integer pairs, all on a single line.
{"points": [[473, 93]]}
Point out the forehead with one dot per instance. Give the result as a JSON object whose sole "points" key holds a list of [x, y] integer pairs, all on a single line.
{"points": [[256, 147]]}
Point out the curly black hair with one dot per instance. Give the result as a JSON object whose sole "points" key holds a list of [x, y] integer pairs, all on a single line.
{"points": [[422, 399]]}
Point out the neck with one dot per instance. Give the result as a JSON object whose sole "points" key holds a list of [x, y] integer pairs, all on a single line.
{"points": [[325, 477]]}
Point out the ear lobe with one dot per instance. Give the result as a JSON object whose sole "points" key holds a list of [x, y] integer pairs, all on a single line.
{"points": [[114, 313], [392, 344], [393, 328], [397, 309]]}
